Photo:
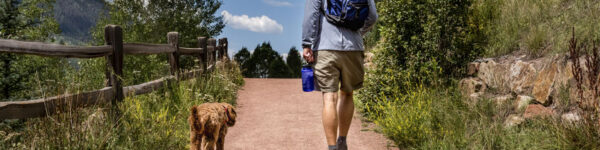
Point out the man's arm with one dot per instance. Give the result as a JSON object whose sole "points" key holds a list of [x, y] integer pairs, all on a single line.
{"points": [[310, 26], [371, 19]]}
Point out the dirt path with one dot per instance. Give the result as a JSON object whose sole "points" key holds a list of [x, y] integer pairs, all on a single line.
{"points": [[273, 114]]}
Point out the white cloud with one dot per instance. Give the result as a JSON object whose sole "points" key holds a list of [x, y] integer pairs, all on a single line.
{"points": [[277, 3], [262, 24]]}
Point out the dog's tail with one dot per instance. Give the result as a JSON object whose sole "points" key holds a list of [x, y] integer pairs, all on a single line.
{"points": [[195, 122]]}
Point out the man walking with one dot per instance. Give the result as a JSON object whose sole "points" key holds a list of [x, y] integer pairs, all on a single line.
{"points": [[336, 52]]}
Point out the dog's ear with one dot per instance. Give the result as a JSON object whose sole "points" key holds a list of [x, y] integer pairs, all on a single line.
{"points": [[232, 113]]}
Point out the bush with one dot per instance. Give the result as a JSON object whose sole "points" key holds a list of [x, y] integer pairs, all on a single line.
{"points": [[421, 41], [415, 32], [405, 118]]}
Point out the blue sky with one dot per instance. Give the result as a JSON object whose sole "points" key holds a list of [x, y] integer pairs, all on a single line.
{"points": [[275, 21]]}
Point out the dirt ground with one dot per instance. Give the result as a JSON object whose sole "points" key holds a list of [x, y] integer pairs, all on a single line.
{"points": [[274, 114]]}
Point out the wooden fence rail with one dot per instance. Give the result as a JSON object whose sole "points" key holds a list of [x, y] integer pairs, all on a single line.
{"points": [[113, 51]]}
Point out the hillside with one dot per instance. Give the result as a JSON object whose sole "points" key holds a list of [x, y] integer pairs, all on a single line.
{"points": [[76, 17]]}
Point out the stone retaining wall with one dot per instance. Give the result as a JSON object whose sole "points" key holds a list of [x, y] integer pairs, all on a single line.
{"points": [[533, 86]]}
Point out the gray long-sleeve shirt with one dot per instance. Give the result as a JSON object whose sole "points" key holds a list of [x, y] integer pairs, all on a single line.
{"points": [[319, 34]]}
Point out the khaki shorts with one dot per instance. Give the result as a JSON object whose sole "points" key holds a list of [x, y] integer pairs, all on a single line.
{"points": [[333, 68]]}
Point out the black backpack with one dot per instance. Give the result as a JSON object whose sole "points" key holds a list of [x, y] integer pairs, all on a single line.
{"points": [[350, 14]]}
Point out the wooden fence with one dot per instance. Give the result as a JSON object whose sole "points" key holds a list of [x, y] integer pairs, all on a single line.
{"points": [[113, 51]]}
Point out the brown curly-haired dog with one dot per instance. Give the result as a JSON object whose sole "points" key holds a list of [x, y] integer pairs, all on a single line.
{"points": [[208, 125]]}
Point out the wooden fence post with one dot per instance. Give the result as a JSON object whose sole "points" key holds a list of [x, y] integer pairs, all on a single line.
{"points": [[115, 61], [220, 50], [203, 57], [224, 47], [173, 38], [212, 46], [108, 69]]}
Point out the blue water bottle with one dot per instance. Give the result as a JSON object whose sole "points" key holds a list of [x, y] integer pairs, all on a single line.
{"points": [[308, 80]]}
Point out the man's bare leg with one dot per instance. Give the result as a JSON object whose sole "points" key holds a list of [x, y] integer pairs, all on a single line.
{"points": [[330, 119], [345, 112]]}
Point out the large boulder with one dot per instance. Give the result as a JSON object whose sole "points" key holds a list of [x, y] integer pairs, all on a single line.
{"points": [[472, 87], [492, 74], [542, 86], [521, 77], [564, 80]]}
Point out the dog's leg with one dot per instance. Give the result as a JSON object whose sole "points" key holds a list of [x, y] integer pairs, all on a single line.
{"points": [[206, 144], [193, 141], [221, 139], [210, 145], [198, 142]]}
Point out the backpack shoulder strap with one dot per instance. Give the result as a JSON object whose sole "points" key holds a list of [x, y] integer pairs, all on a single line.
{"points": [[323, 9]]}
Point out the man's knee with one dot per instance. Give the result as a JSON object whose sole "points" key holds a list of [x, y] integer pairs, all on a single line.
{"points": [[330, 97], [346, 94]]}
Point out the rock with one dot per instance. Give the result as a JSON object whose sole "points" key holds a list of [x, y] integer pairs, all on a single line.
{"points": [[369, 65], [475, 97], [521, 77], [537, 110], [542, 86], [564, 73], [571, 117], [487, 72], [369, 57], [472, 68], [500, 100], [513, 120], [564, 81], [469, 86], [522, 101]]}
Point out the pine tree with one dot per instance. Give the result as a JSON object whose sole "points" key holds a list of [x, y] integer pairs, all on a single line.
{"points": [[260, 61], [278, 69], [242, 58], [294, 62]]}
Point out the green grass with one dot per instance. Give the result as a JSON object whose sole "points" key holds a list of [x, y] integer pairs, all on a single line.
{"points": [[536, 27], [157, 120]]}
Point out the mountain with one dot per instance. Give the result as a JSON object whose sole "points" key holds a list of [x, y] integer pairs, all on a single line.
{"points": [[76, 18]]}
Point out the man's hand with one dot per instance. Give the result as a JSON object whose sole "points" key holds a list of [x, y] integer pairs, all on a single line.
{"points": [[308, 55]]}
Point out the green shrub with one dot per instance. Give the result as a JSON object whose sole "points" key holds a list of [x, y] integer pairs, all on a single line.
{"points": [[421, 41], [405, 118], [415, 32]]}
